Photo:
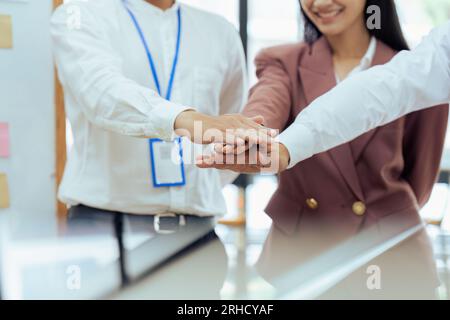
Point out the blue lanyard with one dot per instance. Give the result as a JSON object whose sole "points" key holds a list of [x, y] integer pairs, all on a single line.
{"points": [[149, 55]]}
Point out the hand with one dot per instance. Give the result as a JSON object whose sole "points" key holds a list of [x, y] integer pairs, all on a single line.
{"points": [[256, 159], [233, 129]]}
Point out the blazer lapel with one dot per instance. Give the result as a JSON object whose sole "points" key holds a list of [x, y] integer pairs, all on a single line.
{"points": [[382, 55], [316, 71], [343, 158], [318, 77]]}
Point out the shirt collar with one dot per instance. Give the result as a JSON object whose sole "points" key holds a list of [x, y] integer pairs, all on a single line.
{"points": [[367, 59], [144, 5]]}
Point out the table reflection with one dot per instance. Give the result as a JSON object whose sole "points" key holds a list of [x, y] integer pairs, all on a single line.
{"points": [[391, 258], [93, 253], [101, 254]]}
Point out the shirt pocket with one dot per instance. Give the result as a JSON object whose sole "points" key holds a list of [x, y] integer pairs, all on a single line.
{"points": [[207, 89]]}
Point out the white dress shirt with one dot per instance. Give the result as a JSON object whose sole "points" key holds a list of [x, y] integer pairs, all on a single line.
{"points": [[411, 81], [111, 100]]}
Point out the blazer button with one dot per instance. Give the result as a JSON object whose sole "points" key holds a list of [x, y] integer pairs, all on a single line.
{"points": [[359, 208], [312, 203]]}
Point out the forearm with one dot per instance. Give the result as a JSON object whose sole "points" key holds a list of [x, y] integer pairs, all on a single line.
{"points": [[130, 109]]}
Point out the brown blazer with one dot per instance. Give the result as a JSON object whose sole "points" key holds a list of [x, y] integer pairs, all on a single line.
{"points": [[387, 170]]}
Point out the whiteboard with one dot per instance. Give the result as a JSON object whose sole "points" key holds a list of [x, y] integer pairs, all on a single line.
{"points": [[27, 104]]}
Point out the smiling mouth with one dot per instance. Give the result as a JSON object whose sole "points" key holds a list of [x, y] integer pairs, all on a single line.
{"points": [[328, 15]]}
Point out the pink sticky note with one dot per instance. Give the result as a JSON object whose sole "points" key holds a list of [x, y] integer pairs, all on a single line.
{"points": [[4, 140]]}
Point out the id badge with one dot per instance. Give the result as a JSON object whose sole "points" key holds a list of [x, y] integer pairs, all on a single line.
{"points": [[167, 163]]}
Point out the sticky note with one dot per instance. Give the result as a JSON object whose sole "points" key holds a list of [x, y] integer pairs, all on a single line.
{"points": [[4, 140], [6, 35], [4, 191]]}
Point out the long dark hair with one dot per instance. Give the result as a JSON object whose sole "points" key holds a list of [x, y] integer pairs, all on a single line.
{"points": [[390, 32]]}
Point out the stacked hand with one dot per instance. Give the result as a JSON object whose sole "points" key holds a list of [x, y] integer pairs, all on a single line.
{"points": [[241, 144], [232, 129], [272, 158]]}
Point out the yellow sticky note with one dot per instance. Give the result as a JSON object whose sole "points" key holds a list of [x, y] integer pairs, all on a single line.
{"points": [[6, 37], [4, 191]]}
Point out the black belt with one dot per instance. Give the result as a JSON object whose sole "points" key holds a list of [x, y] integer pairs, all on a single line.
{"points": [[164, 223]]}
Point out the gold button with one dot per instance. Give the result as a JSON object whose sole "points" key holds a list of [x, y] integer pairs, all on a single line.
{"points": [[312, 203], [359, 208]]}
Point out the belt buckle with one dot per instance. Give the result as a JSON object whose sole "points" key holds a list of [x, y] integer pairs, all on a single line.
{"points": [[161, 230]]}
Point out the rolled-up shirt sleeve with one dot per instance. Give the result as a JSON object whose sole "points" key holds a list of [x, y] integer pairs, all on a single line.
{"points": [[411, 81], [90, 70]]}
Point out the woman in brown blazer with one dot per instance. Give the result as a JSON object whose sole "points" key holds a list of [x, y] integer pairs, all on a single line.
{"points": [[380, 179], [391, 169]]}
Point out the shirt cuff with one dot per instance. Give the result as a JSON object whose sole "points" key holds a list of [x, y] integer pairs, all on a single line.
{"points": [[164, 116], [299, 141]]}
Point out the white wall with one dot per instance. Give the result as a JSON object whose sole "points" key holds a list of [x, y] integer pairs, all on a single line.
{"points": [[27, 103]]}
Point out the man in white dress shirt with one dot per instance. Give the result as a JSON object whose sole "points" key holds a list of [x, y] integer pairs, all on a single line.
{"points": [[411, 81], [115, 98]]}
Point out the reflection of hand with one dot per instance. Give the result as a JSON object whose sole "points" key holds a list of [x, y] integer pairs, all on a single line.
{"points": [[233, 129], [274, 158]]}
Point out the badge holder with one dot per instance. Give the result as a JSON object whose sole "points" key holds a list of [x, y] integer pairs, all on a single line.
{"points": [[167, 163]]}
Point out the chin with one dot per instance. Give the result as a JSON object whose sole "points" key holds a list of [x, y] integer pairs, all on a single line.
{"points": [[331, 30]]}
